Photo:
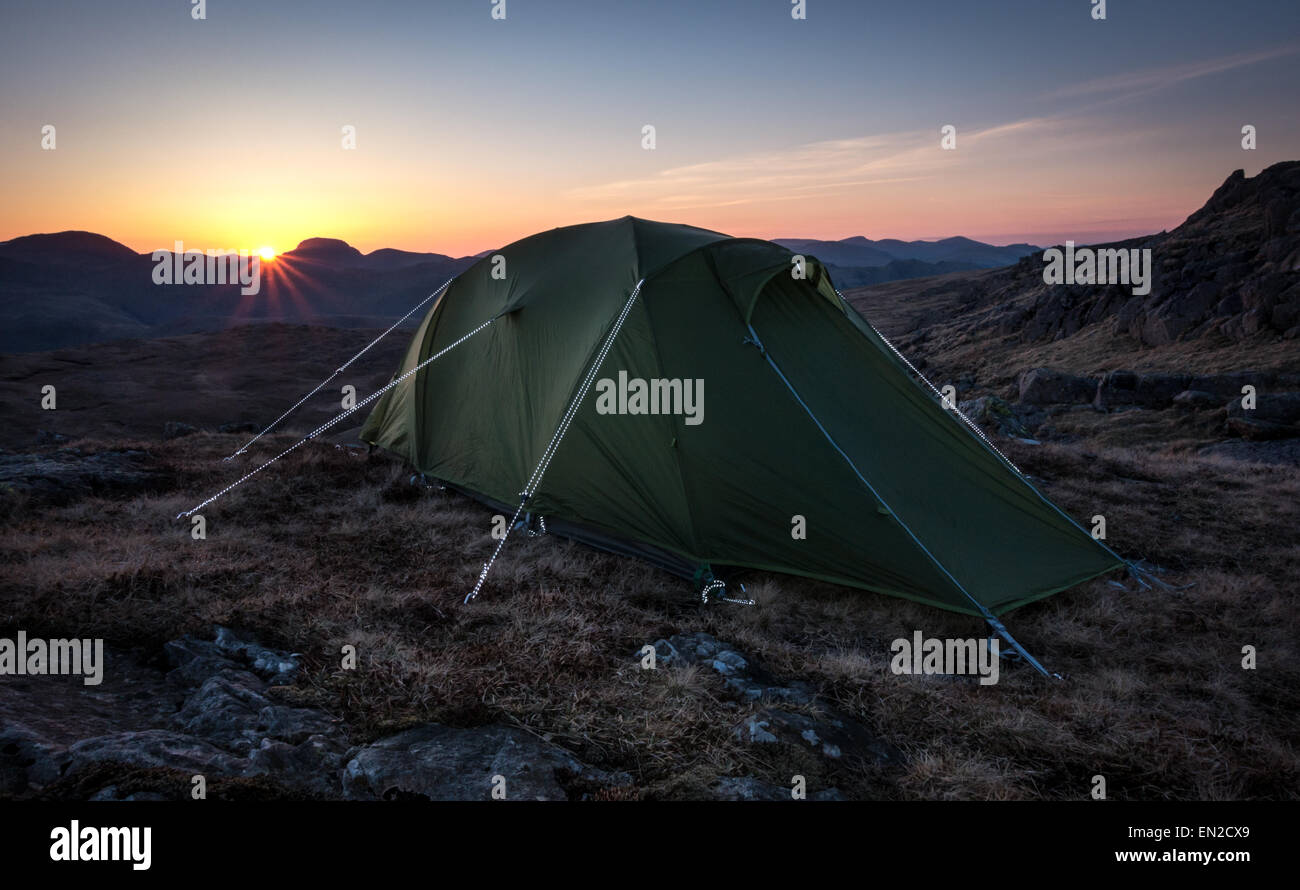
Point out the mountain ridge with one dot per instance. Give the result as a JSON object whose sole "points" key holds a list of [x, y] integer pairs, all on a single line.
{"points": [[75, 287]]}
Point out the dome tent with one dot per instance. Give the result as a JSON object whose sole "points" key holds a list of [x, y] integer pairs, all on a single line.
{"points": [[803, 417]]}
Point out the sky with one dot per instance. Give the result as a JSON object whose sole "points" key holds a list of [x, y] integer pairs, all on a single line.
{"points": [[473, 131]]}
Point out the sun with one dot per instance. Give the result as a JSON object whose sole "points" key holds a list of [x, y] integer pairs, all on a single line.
{"points": [[266, 253]]}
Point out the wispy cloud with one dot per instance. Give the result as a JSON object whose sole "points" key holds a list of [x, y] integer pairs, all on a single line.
{"points": [[1151, 79], [803, 171]]}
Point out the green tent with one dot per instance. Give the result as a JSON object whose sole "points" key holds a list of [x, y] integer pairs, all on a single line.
{"points": [[803, 419]]}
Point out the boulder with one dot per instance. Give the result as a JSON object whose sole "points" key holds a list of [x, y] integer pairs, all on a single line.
{"points": [[224, 708], [997, 415], [313, 764], [1195, 398], [1275, 416], [277, 667], [1046, 386]]}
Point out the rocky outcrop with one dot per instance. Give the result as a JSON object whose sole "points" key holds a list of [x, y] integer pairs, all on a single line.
{"points": [[816, 728], [740, 675], [1045, 386], [750, 788], [832, 735], [216, 713], [1122, 389], [998, 416], [67, 474], [1275, 416], [433, 762], [1276, 413], [1229, 270]]}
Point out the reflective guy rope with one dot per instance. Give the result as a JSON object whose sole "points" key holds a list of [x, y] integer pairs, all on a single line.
{"points": [[339, 370], [316, 432], [540, 470]]}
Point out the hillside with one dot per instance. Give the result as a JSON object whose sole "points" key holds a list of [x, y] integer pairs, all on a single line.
{"points": [[1225, 296]]}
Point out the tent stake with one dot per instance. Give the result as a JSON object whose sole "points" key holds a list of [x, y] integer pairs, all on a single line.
{"points": [[1001, 631]]}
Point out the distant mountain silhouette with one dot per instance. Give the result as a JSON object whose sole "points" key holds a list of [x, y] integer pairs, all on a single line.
{"points": [[70, 288], [958, 252], [327, 251], [67, 248]]}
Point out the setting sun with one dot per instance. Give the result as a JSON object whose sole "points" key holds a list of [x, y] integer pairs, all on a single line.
{"points": [[266, 253]]}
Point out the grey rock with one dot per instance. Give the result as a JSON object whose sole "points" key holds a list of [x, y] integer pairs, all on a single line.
{"points": [[313, 764], [1046, 386], [749, 788], [833, 735], [27, 759], [1270, 407], [665, 654], [157, 748], [224, 709], [232, 709], [278, 667], [194, 661], [62, 476], [1195, 398], [293, 725], [111, 792], [739, 673], [445, 763], [997, 415]]}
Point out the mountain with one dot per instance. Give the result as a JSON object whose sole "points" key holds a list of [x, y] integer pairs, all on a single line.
{"points": [[958, 253], [72, 288], [856, 251], [327, 252], [895, 270], [67, 248], [1228, 272]]}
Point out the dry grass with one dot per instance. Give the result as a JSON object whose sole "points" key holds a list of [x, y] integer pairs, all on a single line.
{"points": [[331, 548]]}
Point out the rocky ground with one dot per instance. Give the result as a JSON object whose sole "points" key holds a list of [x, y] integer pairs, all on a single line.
{"points": [[216, 709], [541, 681]]}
